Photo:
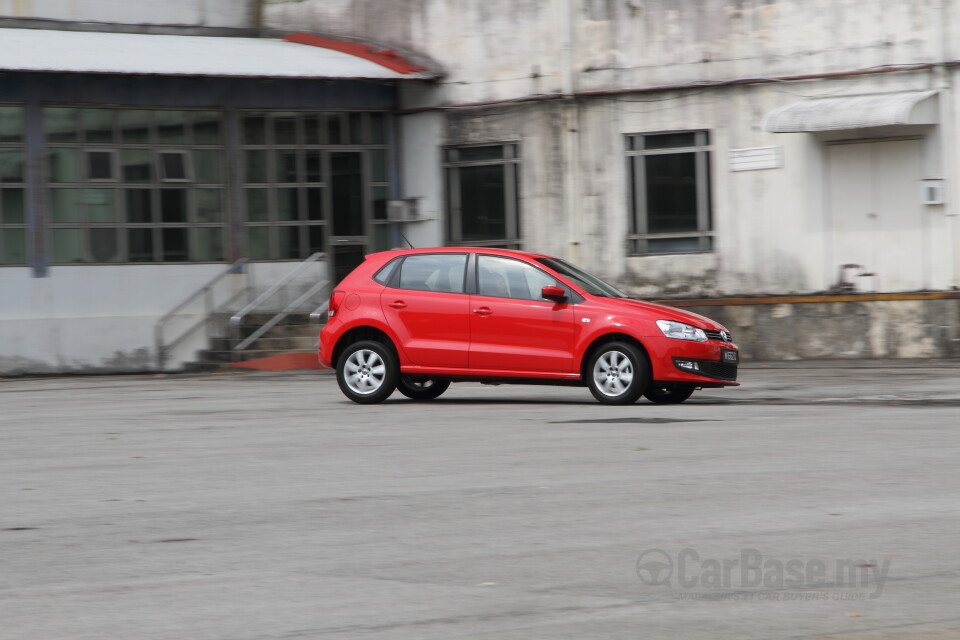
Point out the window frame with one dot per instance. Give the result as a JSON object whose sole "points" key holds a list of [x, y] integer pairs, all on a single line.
{"points": [[639, 237], [510, 161]]}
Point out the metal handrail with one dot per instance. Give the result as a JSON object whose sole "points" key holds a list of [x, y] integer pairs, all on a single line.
{"points": [[236, 320], [272, 322], [163, 347]]}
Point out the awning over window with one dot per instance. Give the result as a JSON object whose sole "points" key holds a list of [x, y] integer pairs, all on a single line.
{"points": [[134, 53], [854, 112]]}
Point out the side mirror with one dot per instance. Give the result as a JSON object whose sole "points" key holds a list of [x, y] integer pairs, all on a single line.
{"points": [[557, 294]]}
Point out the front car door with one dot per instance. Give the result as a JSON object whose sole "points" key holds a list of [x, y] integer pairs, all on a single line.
{"points": [[512, 327], [426, 306]]}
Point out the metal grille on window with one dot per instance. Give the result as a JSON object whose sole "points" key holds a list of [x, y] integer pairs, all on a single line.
{"points": [[670, 199], [134, 185], [483, 195]]}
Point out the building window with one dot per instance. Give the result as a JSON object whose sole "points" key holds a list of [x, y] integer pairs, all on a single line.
{"points": [[13, 229], [134, 185], [669, 177], [311, 176], [483, 186]]}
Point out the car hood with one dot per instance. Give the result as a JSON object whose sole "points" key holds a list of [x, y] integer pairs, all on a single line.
{"points": [[663, 312]]}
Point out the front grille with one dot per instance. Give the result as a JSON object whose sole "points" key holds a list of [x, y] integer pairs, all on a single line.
{"points": [[718, 335], [720, 370]]}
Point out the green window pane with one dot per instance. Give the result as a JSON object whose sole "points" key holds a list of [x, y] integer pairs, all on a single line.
{"points": [[289, 242], [258, 208], [101, 206], [315, 237], [64, 165], [470, 154], [66, 206], [68, 245], [206, 166], [11, 165], [378, 164], [171, 127], [286, 166], [206, 127], [258, 243], [11, 206], [174, 245], [100, 165], [139, 206], [381, 237], [140, 245], [256, 166], [378, 133], [137, 165], [11, 124], [208, 244], [314, 166], [311, 129], [134, 126], [254, 128], [209, 205], [97, 125], [287, 204], [60, 123], [330, 123], [104, 245], [14, 246], [314, 204], [356, 128], [173, 205], [285, 128]]}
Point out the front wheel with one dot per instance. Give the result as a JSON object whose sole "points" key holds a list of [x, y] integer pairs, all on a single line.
{"points": [[617, 373], [422, 389], [667, 393], [367, 372]]}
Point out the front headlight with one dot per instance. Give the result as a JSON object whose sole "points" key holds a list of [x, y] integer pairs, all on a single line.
{"points": [[681, 331]]}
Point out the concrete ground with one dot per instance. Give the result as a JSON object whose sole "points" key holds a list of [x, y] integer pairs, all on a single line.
{"points": [[816, 501]]}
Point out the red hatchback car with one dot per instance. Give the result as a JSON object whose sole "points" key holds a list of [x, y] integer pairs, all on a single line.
{"points": [[417, 320]]}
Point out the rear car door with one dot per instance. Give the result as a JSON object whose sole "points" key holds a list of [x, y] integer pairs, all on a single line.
{"points": [[512, 327], [427, 308]]}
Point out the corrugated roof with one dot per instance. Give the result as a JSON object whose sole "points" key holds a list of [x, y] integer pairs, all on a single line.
{"points": [[134, 53], [854, 112]]}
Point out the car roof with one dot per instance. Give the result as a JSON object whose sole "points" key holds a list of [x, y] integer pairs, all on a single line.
{"points": [[497, 252]]}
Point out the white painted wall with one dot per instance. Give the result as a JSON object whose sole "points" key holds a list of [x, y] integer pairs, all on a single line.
{"points": [[204, 13], [102, 318]]}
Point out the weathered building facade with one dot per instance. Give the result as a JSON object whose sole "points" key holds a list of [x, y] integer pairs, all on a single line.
{"points": [[648, 143]]}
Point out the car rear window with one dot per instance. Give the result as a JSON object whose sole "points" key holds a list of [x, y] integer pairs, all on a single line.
{"points": [[434, 272]]}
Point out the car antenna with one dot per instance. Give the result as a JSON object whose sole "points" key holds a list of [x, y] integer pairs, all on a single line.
{"points": [[405, 239]]}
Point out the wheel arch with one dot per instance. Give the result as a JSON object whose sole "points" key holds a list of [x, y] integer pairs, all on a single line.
{"points": [[357, 334], [601, 340]]}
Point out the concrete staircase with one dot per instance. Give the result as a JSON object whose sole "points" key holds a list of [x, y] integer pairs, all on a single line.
{"points": [[295, 334]]}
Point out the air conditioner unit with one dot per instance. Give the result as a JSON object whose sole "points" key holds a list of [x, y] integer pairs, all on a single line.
{"points": [[404, 210], [932, 191]]}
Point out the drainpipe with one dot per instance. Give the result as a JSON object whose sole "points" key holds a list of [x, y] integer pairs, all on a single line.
{"points": [[570, 135], [942, 73]]}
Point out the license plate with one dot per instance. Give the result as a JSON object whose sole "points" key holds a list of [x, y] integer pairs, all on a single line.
{"points": [[729, 355]]}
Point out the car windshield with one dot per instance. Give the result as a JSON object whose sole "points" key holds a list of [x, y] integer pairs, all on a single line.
{"points": [[590, 283]]}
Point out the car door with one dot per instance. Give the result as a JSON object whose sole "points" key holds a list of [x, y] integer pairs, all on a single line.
{"points": [[428, 310], [512, 327]]}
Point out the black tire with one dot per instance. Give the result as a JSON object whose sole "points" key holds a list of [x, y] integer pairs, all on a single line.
{"points": [[426, 389], [617, 373], [367, 372], [668, 393]]}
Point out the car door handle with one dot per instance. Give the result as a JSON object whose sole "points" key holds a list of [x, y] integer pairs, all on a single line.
{"points": [[398, 304], [483, 311]]}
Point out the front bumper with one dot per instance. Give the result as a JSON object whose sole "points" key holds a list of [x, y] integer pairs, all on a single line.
{"points": [[693, 362]]}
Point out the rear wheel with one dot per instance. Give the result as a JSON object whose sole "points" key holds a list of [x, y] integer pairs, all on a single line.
{"points": [[617, 373], [667, 393], [422, 389], [367, 372]]}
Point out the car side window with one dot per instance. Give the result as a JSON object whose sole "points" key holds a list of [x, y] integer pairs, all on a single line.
{"points": [[434, 272], [508, 278]]}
